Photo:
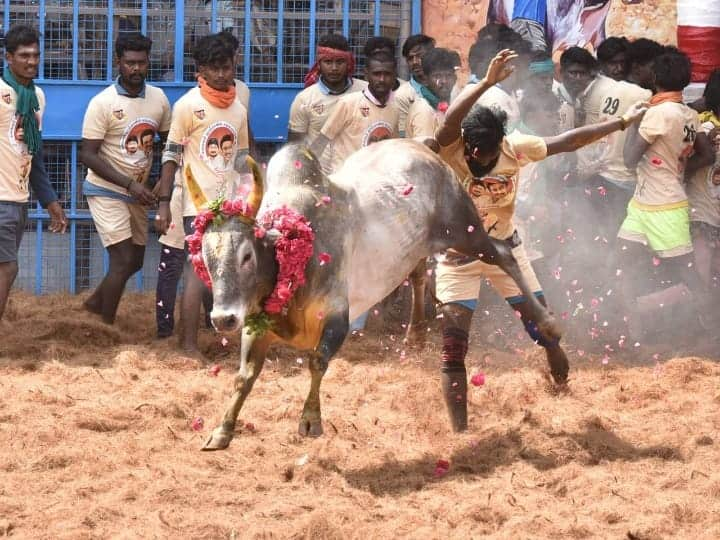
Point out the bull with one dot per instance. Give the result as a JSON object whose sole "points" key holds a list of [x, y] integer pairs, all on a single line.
{"points": [[392, 204]]}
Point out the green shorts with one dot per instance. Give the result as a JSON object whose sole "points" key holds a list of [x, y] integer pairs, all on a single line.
{"points": [[666, 232]]}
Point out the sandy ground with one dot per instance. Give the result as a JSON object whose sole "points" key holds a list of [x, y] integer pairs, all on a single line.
{"points": [[96, 441]]}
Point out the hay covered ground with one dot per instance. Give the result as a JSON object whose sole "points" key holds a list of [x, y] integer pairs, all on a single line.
{"points": [[96, 441]]}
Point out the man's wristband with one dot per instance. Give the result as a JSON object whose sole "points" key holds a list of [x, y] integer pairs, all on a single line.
{"points": [[164, 198], [624, 122]]}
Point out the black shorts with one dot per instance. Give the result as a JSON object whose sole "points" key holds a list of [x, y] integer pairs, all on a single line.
{"points": [[700, 229], [13, 217]]}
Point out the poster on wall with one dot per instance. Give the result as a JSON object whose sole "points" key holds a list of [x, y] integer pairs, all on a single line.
{"points": [[555, 25]]}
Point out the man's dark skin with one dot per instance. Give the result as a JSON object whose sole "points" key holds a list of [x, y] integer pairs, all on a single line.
{"points": [[126, 258], [334, 75], [23, 64], [414, 62], [642, 75], [220, 77], [616, 67], [380, 77], [576, 78], [441, 82]]}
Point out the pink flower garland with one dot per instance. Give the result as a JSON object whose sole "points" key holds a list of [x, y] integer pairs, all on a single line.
{"points": [[293, 249]]}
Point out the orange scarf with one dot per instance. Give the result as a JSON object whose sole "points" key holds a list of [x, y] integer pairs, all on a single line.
{"points": [[666, 97], [216, 98]]}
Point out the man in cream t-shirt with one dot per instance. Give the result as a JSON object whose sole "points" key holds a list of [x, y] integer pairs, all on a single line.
{"points": [[665, 148], [21, 155], [119, 123], [362, 118], [208, 111], [328, 80]]}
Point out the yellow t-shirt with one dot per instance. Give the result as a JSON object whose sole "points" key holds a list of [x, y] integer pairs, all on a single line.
{"points": [[670, 129], [356, 121], [620, 97], [15, 160], [495, 193], [127, 126], [422, 119], [404, 96], [211, 137], [309, 111]]}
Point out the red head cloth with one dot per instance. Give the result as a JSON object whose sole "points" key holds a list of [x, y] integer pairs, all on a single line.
{"points": [[328, 53]]}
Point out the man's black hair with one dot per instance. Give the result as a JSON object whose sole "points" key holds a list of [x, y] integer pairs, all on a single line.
{"points": [[225, 138], [492, 39], [132, 138], [484, 127], [213, 141], [381, 56], [132, 41], [414, 41], [611, 47], [672, 70], [379, 43], [147, 132], [21, 34], [334, 41], [212, 50], [439, 59], [578, 55], [230, 38], [712, 92], [643, 51]]}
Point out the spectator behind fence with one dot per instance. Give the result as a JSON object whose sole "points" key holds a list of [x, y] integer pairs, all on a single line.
{"points": [[21, 156], [119, 125]]}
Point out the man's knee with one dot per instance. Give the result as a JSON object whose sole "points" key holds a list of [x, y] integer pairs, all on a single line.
{"points": [[9, 270]]}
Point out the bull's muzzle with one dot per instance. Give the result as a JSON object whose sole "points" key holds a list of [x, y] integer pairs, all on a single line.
{"points": [[224, 321]]}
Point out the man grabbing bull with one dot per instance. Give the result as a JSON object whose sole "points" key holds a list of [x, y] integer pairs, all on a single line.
{"points": [[487, 163]]}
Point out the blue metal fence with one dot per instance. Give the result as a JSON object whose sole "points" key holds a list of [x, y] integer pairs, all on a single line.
{"points": [[277, 43]]}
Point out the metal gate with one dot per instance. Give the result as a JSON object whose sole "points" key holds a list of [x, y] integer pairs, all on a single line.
{"points": [[277, 44]]}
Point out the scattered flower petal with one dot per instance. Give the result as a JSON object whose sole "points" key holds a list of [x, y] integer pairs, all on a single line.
{"points": [[478, 379], [197, 424]]}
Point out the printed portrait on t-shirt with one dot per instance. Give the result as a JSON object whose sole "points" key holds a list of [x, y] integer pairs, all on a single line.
{"points": [[218, 147], [378, 131], [492, 191], [137, 145]]}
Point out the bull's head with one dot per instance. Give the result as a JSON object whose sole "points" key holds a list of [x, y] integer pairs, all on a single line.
{"points": [[242, 266]]}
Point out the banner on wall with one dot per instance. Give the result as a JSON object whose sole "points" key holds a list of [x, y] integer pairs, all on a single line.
{"points": [[555, 25]]}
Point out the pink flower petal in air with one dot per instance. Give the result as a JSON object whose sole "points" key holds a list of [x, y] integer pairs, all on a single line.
{"points": [[224, 342], [478, 379], [214, 370], [656, 261], [160, 303], [470, 228], [407, 189], [324, 258], [602, 191], [197, 424], [442, 106], [298, 164], [326, 199]]}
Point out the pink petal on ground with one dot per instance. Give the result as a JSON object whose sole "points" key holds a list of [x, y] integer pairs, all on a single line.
{"points": [[478, 379], [198, 424], [214, 370]]}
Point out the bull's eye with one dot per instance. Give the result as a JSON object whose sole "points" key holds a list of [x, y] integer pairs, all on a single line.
{"points": [[246, 259]]}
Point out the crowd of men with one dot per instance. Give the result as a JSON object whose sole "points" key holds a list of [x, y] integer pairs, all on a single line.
{"points": [[595, 172]]}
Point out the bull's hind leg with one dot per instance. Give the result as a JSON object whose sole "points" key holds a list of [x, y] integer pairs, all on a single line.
{"points": [[417, 329], [252, 358], [333, 334], [477, 243]]}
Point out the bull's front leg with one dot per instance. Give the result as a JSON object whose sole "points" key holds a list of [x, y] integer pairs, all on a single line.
{"points": [[332, 337], [252, 359]]}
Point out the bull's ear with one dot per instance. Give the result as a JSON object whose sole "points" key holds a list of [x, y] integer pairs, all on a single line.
{"points": [[255, 196]]}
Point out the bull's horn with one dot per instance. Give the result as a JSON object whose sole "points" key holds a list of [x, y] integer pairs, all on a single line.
{"points": [[255, 196]]}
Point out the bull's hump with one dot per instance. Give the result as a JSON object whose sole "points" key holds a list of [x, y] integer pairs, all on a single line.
{"points": [[294, 164]]}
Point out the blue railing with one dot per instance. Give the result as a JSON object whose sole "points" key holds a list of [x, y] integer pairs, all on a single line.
{"points": [[277, 40]]}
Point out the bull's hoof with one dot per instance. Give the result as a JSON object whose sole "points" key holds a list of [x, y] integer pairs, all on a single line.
{"points": [[310, 428], [550, 328], [416, 336], [219, 440]]}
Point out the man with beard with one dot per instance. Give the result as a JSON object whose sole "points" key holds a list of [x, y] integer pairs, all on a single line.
{"points": [[612, 55], [641, 56], [361, 118], [414, 48], [329, 79], [426, 113], [474, 144], [116, 186]]}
